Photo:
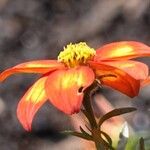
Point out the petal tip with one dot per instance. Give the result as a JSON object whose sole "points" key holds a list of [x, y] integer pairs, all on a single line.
{"points": [[27, 127]]}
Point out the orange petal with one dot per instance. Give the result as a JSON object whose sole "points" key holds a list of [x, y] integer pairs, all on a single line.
{"points": [[135, 69], [122, 50], [116, 79], [38, 66], [65, 88], [33, 99]]}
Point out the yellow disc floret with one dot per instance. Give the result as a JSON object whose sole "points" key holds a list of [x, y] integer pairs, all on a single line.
{"points": [[76, 54]]}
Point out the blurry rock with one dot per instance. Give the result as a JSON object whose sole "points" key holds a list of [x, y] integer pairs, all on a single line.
{"points": [[135, 9], [71, 143], [2, 107], [141, 121], [3, 4]]}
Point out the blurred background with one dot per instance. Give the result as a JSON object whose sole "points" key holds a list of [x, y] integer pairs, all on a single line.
{"points": [[39, 29]]}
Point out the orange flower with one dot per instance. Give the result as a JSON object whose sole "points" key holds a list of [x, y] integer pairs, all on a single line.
{"points": [[64, 80]]}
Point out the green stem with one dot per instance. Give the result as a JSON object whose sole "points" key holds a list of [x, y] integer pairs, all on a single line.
{"points": [[88, 108], [98, 146]]}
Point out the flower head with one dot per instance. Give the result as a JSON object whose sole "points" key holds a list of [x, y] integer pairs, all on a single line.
{"points": [[76, 54], [64, 80]]}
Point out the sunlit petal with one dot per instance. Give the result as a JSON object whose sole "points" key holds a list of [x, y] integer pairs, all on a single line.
{"points": [[64, 88], [116, 78], [136, 69], [38, 66], [122, 50], [33, 99]]}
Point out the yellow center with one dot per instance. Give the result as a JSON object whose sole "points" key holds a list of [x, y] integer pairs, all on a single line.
{"points": [[76, 54]]}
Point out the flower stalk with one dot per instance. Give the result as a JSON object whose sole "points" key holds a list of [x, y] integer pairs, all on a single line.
{"points": [[95, 130], [101, 139]]}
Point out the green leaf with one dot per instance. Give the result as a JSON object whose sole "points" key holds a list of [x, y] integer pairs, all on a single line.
{"points": [[78, 134], [86, 114], [107, 142], [107, 137], [84, 132], [115, 112], [141, 144]]}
